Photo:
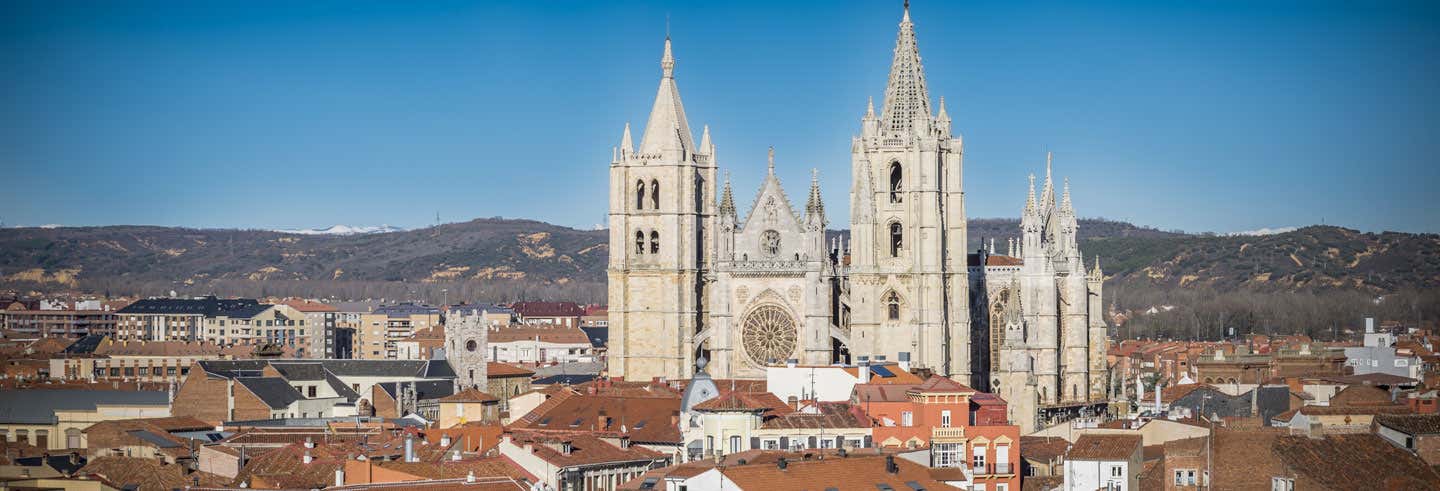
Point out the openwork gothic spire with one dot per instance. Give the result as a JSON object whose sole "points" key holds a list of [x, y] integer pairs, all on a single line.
{"points": [[814, 205], [727, 199], [907, 102]]}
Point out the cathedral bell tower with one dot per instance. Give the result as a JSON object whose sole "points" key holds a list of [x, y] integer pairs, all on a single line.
{"points": [[662, 217], [908, 279]]}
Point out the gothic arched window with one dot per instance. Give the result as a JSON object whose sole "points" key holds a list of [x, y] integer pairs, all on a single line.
{"points": [[639, 242], [892, 306], [654, 242], [640, 195], [654, 194], [896, 176], [896, 239]]}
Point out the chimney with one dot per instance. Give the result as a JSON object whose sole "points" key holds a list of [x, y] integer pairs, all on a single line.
{"points": [[340, 476], [309, 442], [904, 357], [781, 463], [455, 456], [879, 359], [791, 362], [602, 421], [409, 448], [308, 459], [864, 369], [794, 402], [470, 478], [674, 418], [1369, 325], [890, 465], [445, 440]]}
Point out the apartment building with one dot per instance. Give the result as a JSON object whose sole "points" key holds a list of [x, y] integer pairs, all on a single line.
{"points": [[280, 325], [59, 323], [381, 329], [173, 319]]}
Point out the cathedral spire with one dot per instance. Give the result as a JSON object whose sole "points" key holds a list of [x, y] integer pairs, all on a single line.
{"points": [[815, 206], [770, 161], [1047, 194], [1065, 198], [705, 140], [943, 116], [1030, 200], [870, 107], [627, 146], [907, 102], [727, 200], [667, 133], [1095, 273]]}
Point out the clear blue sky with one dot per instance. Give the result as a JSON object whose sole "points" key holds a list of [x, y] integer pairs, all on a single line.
{"points": [[1218, 116]]}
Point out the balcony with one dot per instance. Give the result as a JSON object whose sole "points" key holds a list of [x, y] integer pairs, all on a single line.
{"points": [[952, 433], [1004, 468], [979, 470]]}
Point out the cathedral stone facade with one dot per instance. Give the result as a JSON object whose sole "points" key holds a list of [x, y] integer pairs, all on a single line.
{"points": [[690, 277]]}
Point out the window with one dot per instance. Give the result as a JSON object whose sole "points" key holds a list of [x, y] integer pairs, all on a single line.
{"points": [[892, 306], [895, 182], [654, 194], [896, 237], [907, 418], [949, 454], [772, 445], [945, 418], [639, 242], [978, 487], [1117, 471], [1282, 484], [311, 392], [1002, 460], [734, 444], [979, 459], [1185, 477], [654, 242], [640, 195]]}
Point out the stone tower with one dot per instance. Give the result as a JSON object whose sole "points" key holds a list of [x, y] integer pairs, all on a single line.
{"points": [[465, 349], [662, 213], [908, 277]]}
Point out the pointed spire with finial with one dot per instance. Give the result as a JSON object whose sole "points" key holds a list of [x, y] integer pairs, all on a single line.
{"points": [[943, 116], [727, 200], [705, 139], [815, 206], [907, 101], [1047, 194], [1095, 273], [771, 160], [667, 132], [870, 107], [1065, 197], [1030, 199], [627, 146]]}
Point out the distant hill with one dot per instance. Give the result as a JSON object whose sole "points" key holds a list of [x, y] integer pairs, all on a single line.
{"points": [[536, 253]]}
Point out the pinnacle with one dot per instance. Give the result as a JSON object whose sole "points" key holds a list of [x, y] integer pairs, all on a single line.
{"points": [[907, 101]]}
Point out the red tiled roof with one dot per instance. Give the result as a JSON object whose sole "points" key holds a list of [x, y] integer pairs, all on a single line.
{"points": [[497, 369], [527, 332], [647, 419], [942, 385], [840, 473], [828, 415], [1104, 447], [585, 449], [469, 395], [745, 401]]}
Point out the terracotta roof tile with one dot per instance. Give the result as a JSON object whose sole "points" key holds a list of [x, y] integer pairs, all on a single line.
{"points": [[1104, 447], [585, 449], [843, 474], [469, 395]]}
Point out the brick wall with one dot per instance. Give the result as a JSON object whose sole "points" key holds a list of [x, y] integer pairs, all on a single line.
{"points": [[202, 397], [249, 406], [383, 403]]}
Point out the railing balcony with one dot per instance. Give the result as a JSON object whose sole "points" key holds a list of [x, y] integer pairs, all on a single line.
{"points": [[980, 470], [1004, 468], [954, 432]]}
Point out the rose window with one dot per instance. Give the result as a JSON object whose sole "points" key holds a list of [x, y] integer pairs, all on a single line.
{"points": [[769, 334]]}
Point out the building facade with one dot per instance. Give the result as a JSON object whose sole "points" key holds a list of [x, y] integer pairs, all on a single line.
{"points": [[690, 278]]}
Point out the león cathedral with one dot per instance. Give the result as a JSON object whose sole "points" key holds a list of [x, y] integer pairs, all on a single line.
{"points": [[690, 276]]}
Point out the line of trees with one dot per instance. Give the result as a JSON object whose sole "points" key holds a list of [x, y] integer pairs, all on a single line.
{"points": [[1208, 314]]}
